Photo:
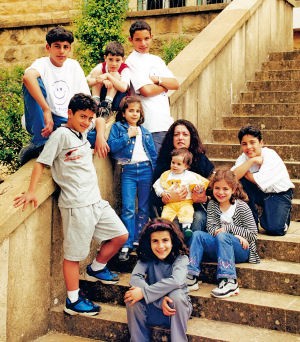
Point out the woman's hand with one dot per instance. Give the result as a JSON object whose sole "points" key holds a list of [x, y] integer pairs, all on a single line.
{"points": [[175, 195], [199, 197], [243, 241], [218, 231], [133, 295]]}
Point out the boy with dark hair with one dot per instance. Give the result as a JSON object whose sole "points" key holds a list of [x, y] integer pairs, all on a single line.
{"points": [[266, 181], [110, 80], [84, 213], [48, 85], [151, 79]]}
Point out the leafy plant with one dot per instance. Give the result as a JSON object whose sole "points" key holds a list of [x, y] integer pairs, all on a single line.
{"points": [[12, 135], [172, 48], [101, 21]]}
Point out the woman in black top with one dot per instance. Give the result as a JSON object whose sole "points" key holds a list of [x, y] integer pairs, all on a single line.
{"points": [[183, 133]]}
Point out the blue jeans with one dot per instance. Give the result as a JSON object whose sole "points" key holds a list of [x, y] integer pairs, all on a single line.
{"points": [[224, 248], [34, 118], [276, 207], [136, 181], [158, 138]]}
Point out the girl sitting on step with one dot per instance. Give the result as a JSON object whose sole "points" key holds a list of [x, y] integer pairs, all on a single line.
{"points": [[158, 293], [231, 236]]}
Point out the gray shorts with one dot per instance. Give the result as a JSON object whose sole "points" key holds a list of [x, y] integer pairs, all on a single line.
{"points": [[80, 225]]}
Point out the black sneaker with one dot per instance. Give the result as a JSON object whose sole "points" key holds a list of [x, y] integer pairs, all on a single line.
{"points": [[82, 306], [192, 282], [124, 254], [104, 109], [29, 152]]}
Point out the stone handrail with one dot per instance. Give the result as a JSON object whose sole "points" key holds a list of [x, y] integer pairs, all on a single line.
{"points": [[214, 67], [211, 70]]}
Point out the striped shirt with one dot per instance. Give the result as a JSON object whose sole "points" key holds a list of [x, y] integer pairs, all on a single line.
{"points": [[243, 225]]}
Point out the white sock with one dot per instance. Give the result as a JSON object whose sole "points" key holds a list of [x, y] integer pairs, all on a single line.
{"points": [[125, 249], [186, 225], [73, 295], [97, 266]]}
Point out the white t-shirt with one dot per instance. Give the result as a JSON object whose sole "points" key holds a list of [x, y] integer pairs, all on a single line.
{"points": [[139, 154], [156, 108], [71, 161], [272, 175], [61, 83]]}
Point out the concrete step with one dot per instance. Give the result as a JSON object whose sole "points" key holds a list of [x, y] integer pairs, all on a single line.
{"points": [[278, 85], [285, 55], [278, 75], [113, 319], [266, 109], [58, 337], [281, 65], [281, 312], [285, 137], [263, 122], [230, 152], [270, 97]]}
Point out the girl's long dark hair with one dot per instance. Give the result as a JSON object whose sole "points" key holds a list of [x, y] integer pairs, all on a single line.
{"points": [[144, 250], [231, 179]]}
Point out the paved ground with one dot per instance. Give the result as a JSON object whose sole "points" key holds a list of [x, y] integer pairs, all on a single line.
{"points": [[56, 337]]}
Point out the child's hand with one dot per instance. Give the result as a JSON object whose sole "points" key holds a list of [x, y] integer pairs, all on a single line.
{"points": [[198, 189], [101, 147], [257, 160], [168, 307], [218, 231], [243, 241], [48, 128], [132, 131], [25, 199], [133, 295]]}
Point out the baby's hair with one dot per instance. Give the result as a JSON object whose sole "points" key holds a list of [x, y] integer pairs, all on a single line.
{"points": [[115, 49], [139, 25], [144, 250], [124, 105], [230, 178], [249, 130], [82, 101], [185, 153], [59, 34]]}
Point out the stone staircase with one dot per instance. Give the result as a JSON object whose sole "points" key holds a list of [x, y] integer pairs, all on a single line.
{"points": [[268, 306]]}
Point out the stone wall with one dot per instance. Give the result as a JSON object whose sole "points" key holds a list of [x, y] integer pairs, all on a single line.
{"points": [[22, 31]]}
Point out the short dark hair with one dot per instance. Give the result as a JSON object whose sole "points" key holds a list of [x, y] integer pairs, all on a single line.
{"points": [[249, 130], [144, 250], [59, 34], [124, 105], [185, 153], [139, 25], [115, 49], [82, 101]]}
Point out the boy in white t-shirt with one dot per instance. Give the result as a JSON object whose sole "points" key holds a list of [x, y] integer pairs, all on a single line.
{"points": [[266, 181], [150, 79], [48, 85]]}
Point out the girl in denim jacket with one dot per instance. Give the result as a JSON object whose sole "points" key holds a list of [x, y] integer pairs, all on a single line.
{"points": [[132, 146]]}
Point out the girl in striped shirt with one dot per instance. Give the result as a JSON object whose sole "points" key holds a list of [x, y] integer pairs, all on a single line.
{"points": [[231, 236]]}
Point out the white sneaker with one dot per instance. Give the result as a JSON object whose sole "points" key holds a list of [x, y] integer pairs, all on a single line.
{"points": [[192, 282], [226, 288]]}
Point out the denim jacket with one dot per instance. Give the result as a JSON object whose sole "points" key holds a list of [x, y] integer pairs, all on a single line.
{"points": [[121, 146]]}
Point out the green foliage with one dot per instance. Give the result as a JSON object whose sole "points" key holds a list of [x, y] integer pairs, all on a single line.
{"points": [[12, 135], [101, 22], [171, 49]]}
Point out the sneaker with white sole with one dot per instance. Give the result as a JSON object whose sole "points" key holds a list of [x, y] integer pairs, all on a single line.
{"points": [[192, 282], [226, 288], [104, 275], [82, 306]]}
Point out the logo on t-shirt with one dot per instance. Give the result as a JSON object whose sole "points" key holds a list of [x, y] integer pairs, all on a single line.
{"points": [[72, 155], [61, 91]]}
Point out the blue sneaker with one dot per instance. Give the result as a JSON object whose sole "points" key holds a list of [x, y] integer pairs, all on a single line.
{"points": [[82, 306], [105, 275]]}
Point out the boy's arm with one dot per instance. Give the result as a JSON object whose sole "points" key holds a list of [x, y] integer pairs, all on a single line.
{"points": [[101, 146], [114, 78], [95, 76], [161, 84], [242, 170], [29, 195], [31, 83]]}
